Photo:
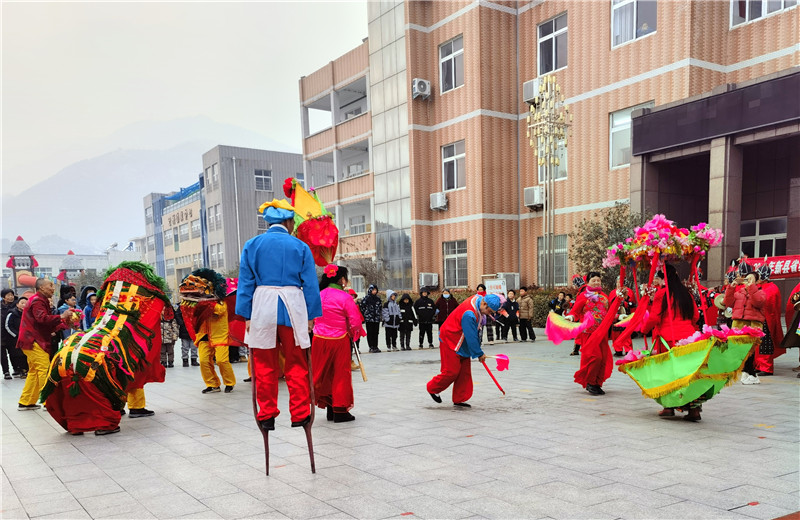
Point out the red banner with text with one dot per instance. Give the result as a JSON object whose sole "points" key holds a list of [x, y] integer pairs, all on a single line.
{"points": [[782, 266]]}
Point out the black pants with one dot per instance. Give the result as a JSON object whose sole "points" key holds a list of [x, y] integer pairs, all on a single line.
{"points": [[425, 328], [18, 360], [391, 337], [373, 328], [233, 354], [526, 330], [513, 328], [405, 337]]}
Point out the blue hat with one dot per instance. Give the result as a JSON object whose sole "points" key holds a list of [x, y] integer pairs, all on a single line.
{"points": [[493, 301], [277, 215]]}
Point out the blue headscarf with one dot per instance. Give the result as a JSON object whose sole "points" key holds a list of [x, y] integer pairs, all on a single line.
{"points": [[277, 215], [493, 301]]}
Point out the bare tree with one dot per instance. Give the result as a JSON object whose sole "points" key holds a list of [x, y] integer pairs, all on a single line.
{"points": [[369, 269]]}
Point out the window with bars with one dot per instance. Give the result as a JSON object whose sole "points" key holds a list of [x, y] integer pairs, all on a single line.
{"points": [[620, 132], [559, 259], [183, 231], [631, 19], [261, 224], [455, 263], [766, 236], [553, 44], [168, 237], [358, 224], [264, 180], [748, 10], [454, 171], [451, 64]]}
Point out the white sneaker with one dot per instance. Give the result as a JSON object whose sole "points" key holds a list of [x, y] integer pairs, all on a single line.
{"points": [[754, 380], [745, 376]]}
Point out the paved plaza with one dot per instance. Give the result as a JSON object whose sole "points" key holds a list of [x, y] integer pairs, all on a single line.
{"points": [[545, 450]]}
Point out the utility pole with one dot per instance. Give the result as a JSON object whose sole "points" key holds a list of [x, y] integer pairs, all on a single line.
{"points": [[548, 129]]}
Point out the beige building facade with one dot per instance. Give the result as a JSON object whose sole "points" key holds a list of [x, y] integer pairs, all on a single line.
{"points": [[183, 240], [449, 159]]}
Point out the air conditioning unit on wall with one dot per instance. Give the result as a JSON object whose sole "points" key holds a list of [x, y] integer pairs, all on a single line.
{"points": [[420, 88], [429, 280], [439, 201], [530, 89], [534, 197], [512, 280]]}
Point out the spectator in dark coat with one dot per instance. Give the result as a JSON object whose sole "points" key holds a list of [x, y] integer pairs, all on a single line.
{"points": [[12, 315], [444, 306], [426, 315], [407, 321], [391, 319], [511, 308], [188, 348], [371, 309]]}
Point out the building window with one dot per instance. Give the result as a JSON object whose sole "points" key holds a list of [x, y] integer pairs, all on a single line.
{"points": [[214, 217], [748, 10], [763, 237], [455, 263], [40, 272], [170, 266], [264, 180], [148, 215], [621, 135], [212, 255], [215, 175], [196, 228], [220, 256], [357, 224], [184, 232], [168, 237], [553, 44], [451, 61], [301, 179], [454, 172], [631, 19], [559, 260], [357, 283], [151, 243], [558, 171], [261, 224]]}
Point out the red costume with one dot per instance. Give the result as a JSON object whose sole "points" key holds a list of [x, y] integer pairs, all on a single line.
{"points": [[596, 362], [769, 350], [673, 327]]}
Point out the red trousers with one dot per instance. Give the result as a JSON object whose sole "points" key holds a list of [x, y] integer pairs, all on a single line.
{"points": [[596, 362], [266, 370], [333, 380], [88, 411], [456, 371]]}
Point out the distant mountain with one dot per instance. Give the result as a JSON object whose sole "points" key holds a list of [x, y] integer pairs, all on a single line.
{"points": [[96, 201]]}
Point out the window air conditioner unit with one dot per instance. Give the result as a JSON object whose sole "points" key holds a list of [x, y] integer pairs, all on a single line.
{"points": [[530, 89], [439, 201], [534, 197], [420, 88], [428, 280], [512, 280]]}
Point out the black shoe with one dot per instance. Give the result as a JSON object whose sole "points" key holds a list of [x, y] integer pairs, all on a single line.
{"points": [[267, 424], [228, 389], [574, 353], [7, 376], [210, 389], [343, 417], [26, 407], [421, 347], [618, 354], [329, 413], [107, 432], [436, 398], [297, 424], [759, 373], [464, 405], [247, 380], [430, 346], [195, 363], [170, 365], [75, 433], [186, 362], [594, 390], [122, 412], [141, 412]]}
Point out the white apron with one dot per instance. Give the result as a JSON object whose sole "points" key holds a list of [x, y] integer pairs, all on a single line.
{"points": [[264, 316]]}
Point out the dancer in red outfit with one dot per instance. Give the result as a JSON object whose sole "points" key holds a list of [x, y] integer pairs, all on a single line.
{"points": [[339, 325], [596, 361], [460, 340], [769, 348], [677, 324]]}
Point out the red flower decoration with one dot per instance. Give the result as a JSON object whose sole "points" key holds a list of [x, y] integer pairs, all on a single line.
{"points": [[288, 187], [330, 270]]}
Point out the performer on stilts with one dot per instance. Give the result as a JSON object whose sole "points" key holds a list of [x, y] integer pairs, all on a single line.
{"points": [[334, 334], [460, 340], [278, 295]]}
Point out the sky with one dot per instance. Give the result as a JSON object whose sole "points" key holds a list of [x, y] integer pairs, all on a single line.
{"points": [[74, 73]]}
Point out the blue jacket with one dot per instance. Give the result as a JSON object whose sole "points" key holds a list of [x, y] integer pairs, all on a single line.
{"points": [[277, 258]]}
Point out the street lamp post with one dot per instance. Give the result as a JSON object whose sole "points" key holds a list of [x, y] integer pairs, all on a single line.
{"points": [[548, 129]]}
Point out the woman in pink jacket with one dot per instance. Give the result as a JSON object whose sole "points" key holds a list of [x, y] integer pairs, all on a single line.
{"points": [[339, 325]]}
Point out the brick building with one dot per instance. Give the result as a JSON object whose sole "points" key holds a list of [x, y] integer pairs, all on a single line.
{"points": [[443, 166]]}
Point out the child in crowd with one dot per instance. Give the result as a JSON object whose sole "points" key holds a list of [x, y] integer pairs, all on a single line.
{"points": [[391, 319], [407, 321]]}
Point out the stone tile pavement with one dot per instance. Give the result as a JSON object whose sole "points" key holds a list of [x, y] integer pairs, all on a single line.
{"points": [[545, 450]]}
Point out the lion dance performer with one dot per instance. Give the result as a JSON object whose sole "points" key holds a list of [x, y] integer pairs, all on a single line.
{"points": [[207, 313], [95, 372], [278, 295], [460, 340]]}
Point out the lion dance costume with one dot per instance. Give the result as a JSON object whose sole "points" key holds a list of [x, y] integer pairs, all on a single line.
{"points": [[93, 371]]}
